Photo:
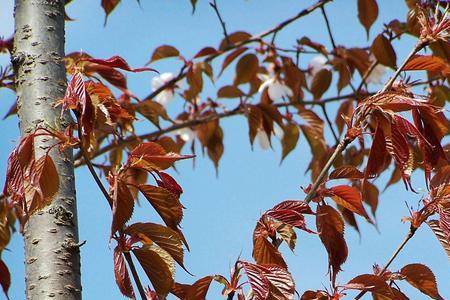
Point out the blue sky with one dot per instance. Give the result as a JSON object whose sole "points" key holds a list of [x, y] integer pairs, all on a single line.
{"points": [[221, 212]]}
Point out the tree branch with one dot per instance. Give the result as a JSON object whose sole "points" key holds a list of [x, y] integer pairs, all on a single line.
{"points": [[130, 262], [409, 235], [79, 160]]}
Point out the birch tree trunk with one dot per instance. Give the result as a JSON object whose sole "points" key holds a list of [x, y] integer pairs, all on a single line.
{"points": [[52, 260]]}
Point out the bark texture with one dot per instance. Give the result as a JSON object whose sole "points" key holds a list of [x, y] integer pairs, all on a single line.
{"points": [[52, 260]]}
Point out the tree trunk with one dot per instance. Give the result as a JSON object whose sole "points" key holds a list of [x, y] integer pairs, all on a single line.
{"points": [[52, 260]]}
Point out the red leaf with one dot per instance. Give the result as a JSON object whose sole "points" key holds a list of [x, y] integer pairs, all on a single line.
{"points": [[196, 291], [152, 156], [158, 267], [5, 277], [116, 62], [367, 13], [372, 283], [169, 183], [428, 63], [123, 205], [383, 51], [350, 198], [264, 252], [422, 278], [165, 203], [378, 155], [207, 51], [165, 237], [121, 273], [347, 171], [301, 207], [246, 68], [331, 232], [164, 51], [269, 282], [230, 57]]}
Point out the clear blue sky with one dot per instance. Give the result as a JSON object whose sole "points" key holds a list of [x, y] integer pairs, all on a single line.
{"points": [[222, 212]]}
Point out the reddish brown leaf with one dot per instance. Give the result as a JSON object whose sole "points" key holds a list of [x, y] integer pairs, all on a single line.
{"points": [[367, 13], [246, 68], [428, 63], [350, 198], [230, 91], [347, 171], [123, 205], [315, 295], [158, 266], [290, 139], [233, 39], [422, 278], [372, 283], [152, 111], [378, 155], [169, 183], [40, 183], [300, 207], [196, 291], [383, 51], [108, 6], [207, 51], [269, 282], [166, 204], [264, 252], [443, 238], [164, 51], [195, 80], [121, 273], [5, 277], [370, 196], [152, 156], [116, 62], [255, 120], [331, 232], [320, 83], [345, 110], [166, 238], [230, 57]]}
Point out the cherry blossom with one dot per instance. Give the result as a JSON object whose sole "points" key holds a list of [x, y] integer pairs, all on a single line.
{"points": [[165, 96], [276, 88]]}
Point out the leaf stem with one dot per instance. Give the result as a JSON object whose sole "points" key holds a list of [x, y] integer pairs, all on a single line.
{"points": [[130, 263]]}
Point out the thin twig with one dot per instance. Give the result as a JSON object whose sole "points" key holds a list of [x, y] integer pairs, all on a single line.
{"points": [[330, 34], [410, 234], [129, 260], [366, 75], [330, 124], [91, 167], [222, 23], [256, 38]]}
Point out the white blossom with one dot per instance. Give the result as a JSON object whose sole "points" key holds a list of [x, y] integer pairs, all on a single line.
{"points": [[275, 87], [376, 76], [316, 64], [186, 134], [278, 131], [263, 139], [165, 96]]}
